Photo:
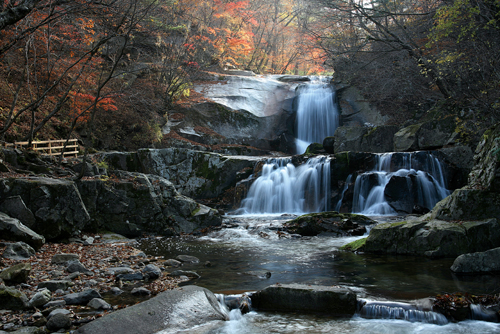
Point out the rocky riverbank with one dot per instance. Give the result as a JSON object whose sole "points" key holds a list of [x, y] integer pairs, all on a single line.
{"points": [[79, 282]]}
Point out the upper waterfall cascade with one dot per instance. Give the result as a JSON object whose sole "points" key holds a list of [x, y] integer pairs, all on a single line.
{"points": [[317, 114]]}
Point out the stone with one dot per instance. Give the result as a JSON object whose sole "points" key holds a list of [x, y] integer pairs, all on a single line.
{"points": [[12, 299], [99, 304], [64, 258], [331, 300], [479, 262], [151, 271], [116, 290], [190, 274], [81, 298], [175, 310], [329, 145], [18, 251], [55, 303], [119, 270], [349, 138], [140, 291], [338, 224], [379, 139], [54, 285], [138, 276], [172, 263], [187, 259], [40, 298], [426, 136], [58, 321], [433, 238], [57, 311], [77, 267], [14, 207], [88, 241], [16, 274], [12, 229]]}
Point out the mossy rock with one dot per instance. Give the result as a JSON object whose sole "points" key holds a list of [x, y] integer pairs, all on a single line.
{"points": [[332, 222], [355, 246]]}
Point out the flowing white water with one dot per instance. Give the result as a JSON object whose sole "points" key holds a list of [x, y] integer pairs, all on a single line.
{"points": [[425, 181], [317, 114], [284, 188]]}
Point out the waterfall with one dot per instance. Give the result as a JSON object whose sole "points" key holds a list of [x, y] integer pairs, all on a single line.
{"points": [[418, 180], [317, 114], [401, 311], [284, 188]]}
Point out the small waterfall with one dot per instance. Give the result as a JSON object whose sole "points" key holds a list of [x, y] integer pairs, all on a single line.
{"points": [[418, 180], [284, 188], [346, 186], [400, 311], [317, 114]]}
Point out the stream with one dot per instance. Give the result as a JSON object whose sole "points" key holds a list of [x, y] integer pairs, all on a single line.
{"points": [[250, 253]]}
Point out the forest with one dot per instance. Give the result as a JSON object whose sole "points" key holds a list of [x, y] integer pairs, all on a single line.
{"points": [[111, 71]]}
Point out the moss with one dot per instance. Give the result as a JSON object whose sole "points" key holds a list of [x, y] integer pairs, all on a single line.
{"points": [[357, 245], [371, 132]]}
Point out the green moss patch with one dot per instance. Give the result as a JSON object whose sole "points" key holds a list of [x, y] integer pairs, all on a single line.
{"points": [[357, 245]]}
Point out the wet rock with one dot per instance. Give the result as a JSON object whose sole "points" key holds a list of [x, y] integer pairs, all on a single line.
{"points": [[188, 259], [16, 274], [40, 298], [13, 230], [140, 291], [151, 271], [12, 299], [190, 274], [58, 321], [116, 290], [81, 298], [339, 224], [335, 301], [64, 258], [349, 138], [479, 262], [99, 304], [55, 285], [14, 207], [175, 310], [18, 251]]}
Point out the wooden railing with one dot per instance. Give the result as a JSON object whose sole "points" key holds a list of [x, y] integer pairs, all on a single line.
{"points": [[48, 147]]}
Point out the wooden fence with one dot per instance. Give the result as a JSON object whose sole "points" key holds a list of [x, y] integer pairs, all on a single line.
{"points": [[48, 147]]}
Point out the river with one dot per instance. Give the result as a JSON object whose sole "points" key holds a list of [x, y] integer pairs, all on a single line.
{"points": [[250, 253]]}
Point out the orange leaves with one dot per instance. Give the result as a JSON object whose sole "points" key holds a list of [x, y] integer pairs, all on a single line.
{"points": [[82, 104]]}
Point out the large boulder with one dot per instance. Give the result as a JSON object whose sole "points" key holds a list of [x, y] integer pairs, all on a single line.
{"points": [[331, 300], [175, 310], [479, 262], [12, 229], [355, 110], [138, 202], [16, 208], [434, 238], [338, 224], [426, 136], [349, 138], [16, 274], [12, 299], [56, 203]]}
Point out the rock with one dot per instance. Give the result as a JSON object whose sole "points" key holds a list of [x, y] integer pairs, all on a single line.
{"points": [[151, 271], [55, 303], [64, 258], [58, 321], [315, 148], [131, 277], [56, 204], [190, 274], [18, 251], [426, 136], [188, 259], [175, 310], [339, 224], [119, 270], [354, 108], [434, 238], [116, 290], [55, 285], [329, 145], [88, 241], [334, 301], [12, 299], [349, 138], [379, 139], [81, 298], [172, 263], [99, 304], [76, 266], [40, 298], [399, 194], [58, 311], [479, 262], [12, 229], [140, 291], [14, 207], [16, 274]]}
